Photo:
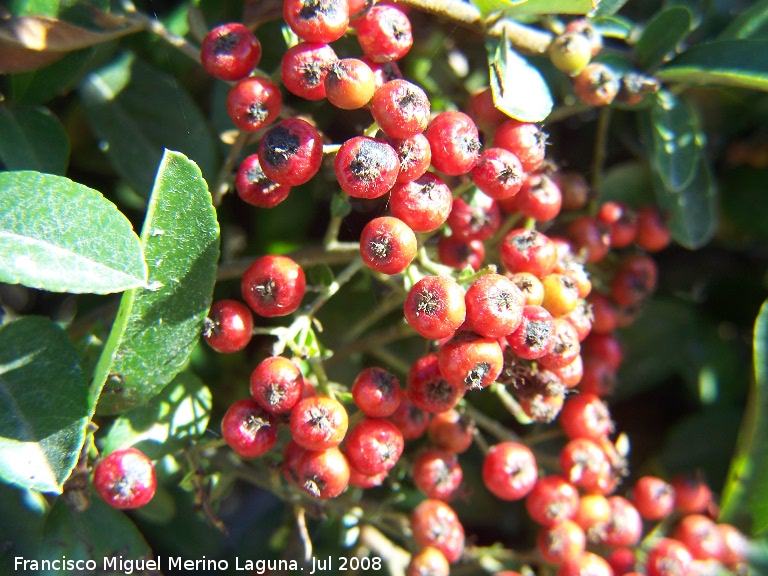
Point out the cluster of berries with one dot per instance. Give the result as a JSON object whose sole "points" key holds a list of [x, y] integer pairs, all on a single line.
{"points": [[535, 330]]}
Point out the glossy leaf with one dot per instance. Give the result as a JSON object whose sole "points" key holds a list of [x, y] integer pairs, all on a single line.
{"points": [[614, 27], [137, 112], [607, 7], [518, 88], [30, 42], [536, 7], [43, 404], [31, 138], [158, 326], [739, 63], [62, 236], [629, 182], [746, 491], [22, 513], [676, 140], [661, 36], [750, 23], [98, 533], [172, 419], [490, 6]]}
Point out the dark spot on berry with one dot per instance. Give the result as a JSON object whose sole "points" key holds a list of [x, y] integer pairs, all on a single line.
{"points": [[280, 144], [369, 161], [226, 43], [254, 423], [537, 334], [440, 391], [257, 112], [314, 8], [267, 290], [475, 377], [380, 247], [428, 303]]}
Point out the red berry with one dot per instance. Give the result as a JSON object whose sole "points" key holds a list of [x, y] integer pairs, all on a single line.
{"points": [[451, 431], [434, 523], [349, 83], [400, 108], [586, 416], [562, 542], [596, 85], [590, 237], [652, 233], [481, 108], [366, 168], [510, 471], [701, 536], [277, 384], [384, 33], [625, 526], [410, 420], [528, 251], [324, 474], [304, 68], [494, 306], [230, 52], [255, 188], [376, 392], [437, 473], [530, 286], [428, 389], [228, 327], [319, 422], [428, 561], [254, 103], [668, 557], [470, 360], [552, 500], [435, 307], [692, 494], [478, 219], [588, 564], [525, 140], [461, 254], [414, 154], [291, 152], [534, 337], [248, 428], [585, 465], [374, 445], [273, 285], [539, 198], [498, 173], [423, 204], [317, 20], [125, 479], [566, 348], [387, 245], [455, 142], [622, 222], [634, 281]]}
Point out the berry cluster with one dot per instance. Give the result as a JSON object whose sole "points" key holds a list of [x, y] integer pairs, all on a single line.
{"points": [[497, 286]]}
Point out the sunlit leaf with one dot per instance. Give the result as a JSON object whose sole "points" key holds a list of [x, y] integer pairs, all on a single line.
{"points": [[518, 88], [739, 63], [751, 22], [32, 138], [607, 7], [59, 235], [536, 7], [661, 36], [43, 404], [745, 493], [158, 326]]}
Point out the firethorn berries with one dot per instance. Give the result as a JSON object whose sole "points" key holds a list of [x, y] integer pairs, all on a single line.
{"points": [[668, 556], [563, 541], [591, 238], [400, 108], [437, 473], [428, 389], [587, 563], [534, 337], [277, 384], [692, 494], [273, 285], [625, 527], [424, 204], [634, 280], [528, 251], [291, 152], [586, 416], [455, 142], [552, 500], [387, 245], [317, 20], [323, 474], [596, 84], [510, 471], [230, 52], [414, 154], [254, 103], [434, 523], [435, 307], [409, 419], [525, 140], [494, 306], [349, 83], [539, 198], [365, 167], [248, 428], [701, 536], [384, 33], [125, 479], [428, 560], [228, 327], [255, 188], [460, 254], [476, 219], [374, 445], [652, 233], [304, 68], [470, 360], [376, 392], [319, 422], [498, 173], [570, 52]]}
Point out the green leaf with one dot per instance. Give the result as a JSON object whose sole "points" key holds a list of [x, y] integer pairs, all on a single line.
{"points": [[739, 63], [629, 182], [489, 6], [158, 326], [676, 140], [173, 418], [43, 404], [518, 88], [607, 8], [536, 7], [31, 138], [748, 24], [746, 491], [100, 532], [136, 112], [744, 206], [62, 236], [22, 513], [662, 35], [34, 8], [614, 27]]}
